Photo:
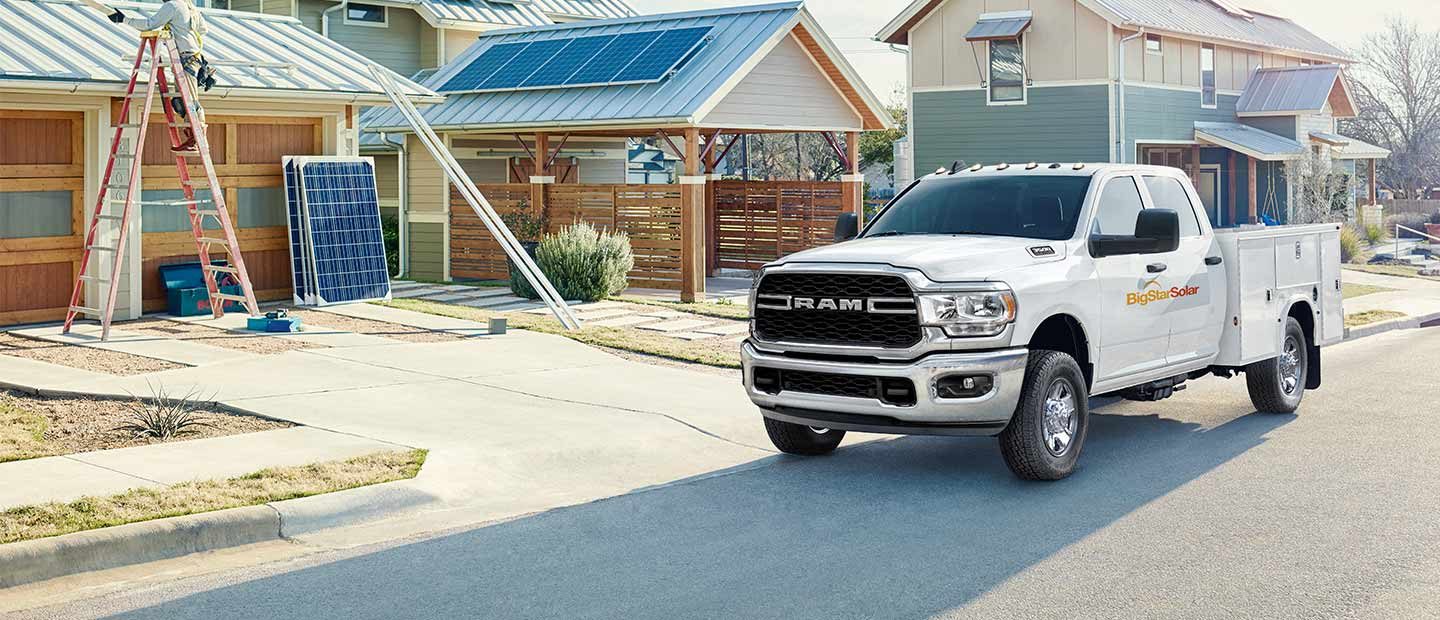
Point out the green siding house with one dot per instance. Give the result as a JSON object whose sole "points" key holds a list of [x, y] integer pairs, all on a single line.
{"points": [[1227, 94]]}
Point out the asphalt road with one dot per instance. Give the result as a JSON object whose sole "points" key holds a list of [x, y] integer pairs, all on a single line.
{"points": [[1190, 507]]}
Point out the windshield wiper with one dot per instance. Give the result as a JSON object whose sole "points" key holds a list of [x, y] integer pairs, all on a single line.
{"points": [[891, 233]]}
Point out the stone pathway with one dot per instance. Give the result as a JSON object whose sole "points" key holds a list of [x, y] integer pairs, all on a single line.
{"points": [[488, 298]]}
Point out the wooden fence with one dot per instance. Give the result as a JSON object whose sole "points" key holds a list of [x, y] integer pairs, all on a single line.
{"points": [[1397, 206], [758, 222], [648, 214]]}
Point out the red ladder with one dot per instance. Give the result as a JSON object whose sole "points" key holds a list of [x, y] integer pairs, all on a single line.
{"points": [[156, 50]]}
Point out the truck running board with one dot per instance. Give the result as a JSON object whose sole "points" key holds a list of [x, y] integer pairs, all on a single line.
{"points": [[1156, 390]]}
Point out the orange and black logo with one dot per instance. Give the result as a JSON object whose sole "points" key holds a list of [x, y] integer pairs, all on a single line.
{"points": [[1152, 291]]}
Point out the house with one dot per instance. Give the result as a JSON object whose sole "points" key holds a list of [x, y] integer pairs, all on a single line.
{"points": [[1225, 93], [282, 89], [650, 164], [540, 118]]}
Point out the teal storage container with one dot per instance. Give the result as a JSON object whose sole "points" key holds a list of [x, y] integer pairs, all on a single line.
{"points": [[185, 293]]}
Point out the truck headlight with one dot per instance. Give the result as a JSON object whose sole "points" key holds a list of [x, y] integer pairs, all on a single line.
{"points": [[979, 313]]}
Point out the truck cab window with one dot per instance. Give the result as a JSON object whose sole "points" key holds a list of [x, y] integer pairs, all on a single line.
{"points": [[1169, 193], [1117, 208], [1031, 206]]}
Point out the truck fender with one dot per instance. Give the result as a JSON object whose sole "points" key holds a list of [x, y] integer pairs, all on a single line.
{"points": [[1312, 349]]}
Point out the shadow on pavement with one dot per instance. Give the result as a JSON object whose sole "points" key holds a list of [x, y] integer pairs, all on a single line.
{"points": [[902, 528]]}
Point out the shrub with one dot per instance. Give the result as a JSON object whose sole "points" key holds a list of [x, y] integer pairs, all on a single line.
{"points": [[1374, 234], [1349, 245], [163, 417], [524, 224], [582, 262], [390, 230]]}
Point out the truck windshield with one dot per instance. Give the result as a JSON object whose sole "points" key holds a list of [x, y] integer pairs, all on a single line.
{"points": [[1032, 206]]}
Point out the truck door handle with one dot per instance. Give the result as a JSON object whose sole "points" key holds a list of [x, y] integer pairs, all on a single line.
{"points": [[1156, 267], [1213, 260]]}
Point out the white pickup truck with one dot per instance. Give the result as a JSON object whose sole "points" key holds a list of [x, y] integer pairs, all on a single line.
{"points": [[996, 300]]}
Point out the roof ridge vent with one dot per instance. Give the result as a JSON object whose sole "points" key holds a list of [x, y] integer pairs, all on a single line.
{"points": [[1233, 9]]}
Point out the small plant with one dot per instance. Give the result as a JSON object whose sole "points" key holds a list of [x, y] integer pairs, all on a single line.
{"points": [[724, 301], [1374, 234], [163, 417], [523, 223], [1349, 245], [390, 230], [583, 263]]}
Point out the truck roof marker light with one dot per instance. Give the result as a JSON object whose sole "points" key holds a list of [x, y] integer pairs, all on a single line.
{"points": [[1031, 166], [940, 170], [1054, 166], [1002, 166], [977, 167], [1079, 166]]}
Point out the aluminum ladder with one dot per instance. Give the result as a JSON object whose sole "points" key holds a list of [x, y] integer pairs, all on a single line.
{"points": [[157, 64]]}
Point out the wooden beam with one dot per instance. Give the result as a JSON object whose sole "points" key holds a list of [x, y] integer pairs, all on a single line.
{"points": [[710, 145], [853, 183], [551, 161], [1374, 187], [665, 139], [1253, 211], [540, 172], [734, 139], [692, 221], [1195, 164], [525, 146]]}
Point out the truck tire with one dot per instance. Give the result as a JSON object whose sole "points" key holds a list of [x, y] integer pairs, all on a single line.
{"points": [[802, 440], [1048, 429], [1277, 384]]}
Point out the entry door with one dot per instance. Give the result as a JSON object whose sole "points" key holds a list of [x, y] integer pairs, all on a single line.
{"points": [[1209, 189], [1134, 332]]}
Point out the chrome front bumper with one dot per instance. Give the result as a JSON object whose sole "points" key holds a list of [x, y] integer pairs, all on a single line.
{"points": [[930, 415]]}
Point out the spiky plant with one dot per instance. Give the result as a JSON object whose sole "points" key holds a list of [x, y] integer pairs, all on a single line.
{"points": [[163, 417]]}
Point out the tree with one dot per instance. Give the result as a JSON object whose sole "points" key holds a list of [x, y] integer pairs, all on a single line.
{"points": [[1319, 189], [878, 147], [1397, 87]]}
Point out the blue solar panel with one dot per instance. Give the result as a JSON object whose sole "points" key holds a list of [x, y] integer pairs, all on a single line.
{"points": [[602, 68], [342, 226], [664, 55], [295, 218], [525, 63], [483, 67], [568, 61]]}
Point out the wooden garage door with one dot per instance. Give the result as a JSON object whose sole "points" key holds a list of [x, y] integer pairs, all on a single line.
{"points": [[42, 189]]}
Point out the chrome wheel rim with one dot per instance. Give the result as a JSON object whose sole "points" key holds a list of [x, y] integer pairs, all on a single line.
{"points": [[1061, 419], [1292, 368]]}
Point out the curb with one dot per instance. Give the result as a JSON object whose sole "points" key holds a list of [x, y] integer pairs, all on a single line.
{"points": [[1409, 322]]}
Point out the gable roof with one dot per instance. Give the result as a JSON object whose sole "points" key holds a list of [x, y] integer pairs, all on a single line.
{"points": [[741, 37], [1249, 141], [592, 9], [66, 45], [1276, 91], [482, 14], [1206, 19]]}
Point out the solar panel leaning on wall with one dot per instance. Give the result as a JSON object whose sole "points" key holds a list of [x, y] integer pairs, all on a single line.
{"points": [[337, 242], [573, 62]]}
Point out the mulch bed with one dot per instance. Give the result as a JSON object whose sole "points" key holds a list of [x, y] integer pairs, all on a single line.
{"points": [[200, 333], [338, 322], [84, 358]]}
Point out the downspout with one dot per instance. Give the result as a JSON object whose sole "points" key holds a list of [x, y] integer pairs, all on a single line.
{"points": [[401, 207], [325, 17], [1120, 131], [909, 119]]}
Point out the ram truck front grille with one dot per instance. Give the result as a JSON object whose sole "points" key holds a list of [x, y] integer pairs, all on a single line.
{"points": [[837, 309]]}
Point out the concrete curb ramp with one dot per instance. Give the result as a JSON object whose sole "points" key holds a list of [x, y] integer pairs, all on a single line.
{"points": [[1409, 322]]}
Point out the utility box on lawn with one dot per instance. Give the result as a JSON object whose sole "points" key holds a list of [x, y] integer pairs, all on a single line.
{"points": [[185, 293]]}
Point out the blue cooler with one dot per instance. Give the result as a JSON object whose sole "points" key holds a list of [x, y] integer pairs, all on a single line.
{"points": [[185, 293]]}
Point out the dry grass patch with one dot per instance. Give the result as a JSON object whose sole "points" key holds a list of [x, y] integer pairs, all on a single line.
{"points": [[1349, 290], [311, 320], [721, 352], [84, 358], [266, 485], [262, 344], [715, 309], [36, 426], [1371, 316], [1403, 271]]}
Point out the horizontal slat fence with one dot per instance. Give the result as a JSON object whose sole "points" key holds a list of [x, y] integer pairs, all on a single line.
{"points": [[474, 252], [758, 222], [1398, 205]]}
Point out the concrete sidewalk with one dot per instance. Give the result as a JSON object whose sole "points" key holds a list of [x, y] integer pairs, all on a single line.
{"points": [[156, 347], [1416, 297], [106, 472]]}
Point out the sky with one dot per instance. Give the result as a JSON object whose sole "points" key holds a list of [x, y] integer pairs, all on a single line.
{"points": [[852, 23]]}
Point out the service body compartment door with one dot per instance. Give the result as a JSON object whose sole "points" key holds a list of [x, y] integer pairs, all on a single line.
{"points": [[1332, 304], [1259, 336]]}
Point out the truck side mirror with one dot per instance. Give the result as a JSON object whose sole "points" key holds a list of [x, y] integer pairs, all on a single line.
{"points": [[847, 225], [1156, 231]]}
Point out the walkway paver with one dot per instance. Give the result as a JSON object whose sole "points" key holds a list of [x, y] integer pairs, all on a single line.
{"points": [[623, 321], [462, 327], [21, 371], [676, 325], [491, 302], [692, 335], [728, 328], [157, 347], [415, 292]]}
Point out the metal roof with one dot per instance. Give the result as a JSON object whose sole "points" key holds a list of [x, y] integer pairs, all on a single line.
{"points": [[739, 33], [1360, 149], [1199, 18], [1332, 139], [485, 11], [999, 26], [594, 9], [66, 45], [1248, 140], [1292, 90]]}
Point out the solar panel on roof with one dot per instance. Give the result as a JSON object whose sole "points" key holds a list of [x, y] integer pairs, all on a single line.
{"points": [[525, 63], [663, 56], [483, 67], [568, 61], [605, 65]]}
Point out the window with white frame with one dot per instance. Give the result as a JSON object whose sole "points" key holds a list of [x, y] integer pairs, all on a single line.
{"points": [[1207, 75], [365, 14], [1007, 71], [1153, 44]]}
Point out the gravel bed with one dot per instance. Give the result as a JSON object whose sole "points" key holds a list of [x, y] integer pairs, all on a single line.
{"points": [[84, 358], [261, 344], [368, 327]]}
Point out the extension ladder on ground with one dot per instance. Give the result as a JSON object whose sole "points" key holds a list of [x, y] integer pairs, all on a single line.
{"points": [[158, 67]]}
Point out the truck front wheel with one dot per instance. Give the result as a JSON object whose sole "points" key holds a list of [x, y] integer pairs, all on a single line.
{"points": [[1277, 384], [802, 440], [1045, 435]]}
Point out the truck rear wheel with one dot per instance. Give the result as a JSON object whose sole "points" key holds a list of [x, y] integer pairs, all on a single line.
{"points": [[1277, 384], [802, 440], [1045, 435]]}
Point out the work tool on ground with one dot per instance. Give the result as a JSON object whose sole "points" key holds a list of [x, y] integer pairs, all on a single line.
{"points": [[158, 75]]}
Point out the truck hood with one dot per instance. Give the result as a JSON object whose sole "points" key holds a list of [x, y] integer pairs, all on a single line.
{"points": [[942, 258]]}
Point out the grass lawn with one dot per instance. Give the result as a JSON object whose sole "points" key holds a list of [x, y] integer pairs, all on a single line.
{"points": [[22, 434], [739, 312], [1349, 290], [1392, 270], [1371, 316], [713, 352], [266, 485]]}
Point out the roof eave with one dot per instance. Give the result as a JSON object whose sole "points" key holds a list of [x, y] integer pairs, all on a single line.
{"points": [[897, 31], [118, 88], [848, 72], [1242, 149], [592, 125]]}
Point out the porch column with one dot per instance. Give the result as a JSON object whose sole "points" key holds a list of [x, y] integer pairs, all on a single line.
{"points": [[1195, 164], [692, 222], [1374, 187], [712, 153], [1253, 209], [540, 178], [1230, 208], [852, 183]]}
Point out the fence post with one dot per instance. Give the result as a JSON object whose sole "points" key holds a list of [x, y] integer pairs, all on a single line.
{"points": [[692, 222], [852, 193]]}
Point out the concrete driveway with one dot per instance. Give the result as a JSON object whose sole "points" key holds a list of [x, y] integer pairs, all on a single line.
{"points": [[1192, 507]]}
